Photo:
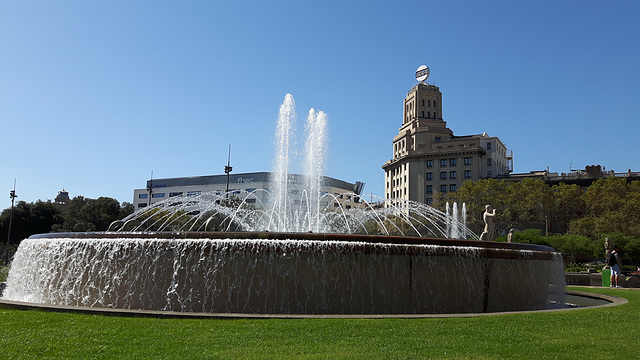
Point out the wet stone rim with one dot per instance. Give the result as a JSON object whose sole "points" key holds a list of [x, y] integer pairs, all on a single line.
{"points": [[610, 301]]}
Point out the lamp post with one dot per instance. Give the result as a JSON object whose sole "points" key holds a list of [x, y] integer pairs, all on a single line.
{"points": [[228, 169], [150, 189], [13, 196]]}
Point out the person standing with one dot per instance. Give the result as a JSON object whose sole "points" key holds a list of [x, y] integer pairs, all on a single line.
{"points": [[616, 266]]}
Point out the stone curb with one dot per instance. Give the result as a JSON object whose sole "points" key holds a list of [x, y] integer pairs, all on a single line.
{"points": [[611, 301]]}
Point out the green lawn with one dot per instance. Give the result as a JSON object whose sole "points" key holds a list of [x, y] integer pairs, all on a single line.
{"points": [[569, 335]]}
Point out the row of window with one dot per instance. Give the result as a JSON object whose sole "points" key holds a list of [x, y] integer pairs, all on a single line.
{"points": [[443, 188], [430, 115], [171, 194], [452, 175], [429, 103], [449, 162]]}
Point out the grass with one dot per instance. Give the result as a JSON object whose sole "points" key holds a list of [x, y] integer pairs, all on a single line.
{"points": [[573, 334]]}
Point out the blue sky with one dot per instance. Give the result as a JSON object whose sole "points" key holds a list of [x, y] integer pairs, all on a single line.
{"points": [[94, 95]]}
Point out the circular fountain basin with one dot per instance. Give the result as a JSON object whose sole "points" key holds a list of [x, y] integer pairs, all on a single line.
{"points": [[283, 273]]}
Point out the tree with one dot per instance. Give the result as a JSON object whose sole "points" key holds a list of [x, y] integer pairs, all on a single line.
{"points": [[527, 203], [571, 245], [29, 219], [612, 206], [83, 214], [567, 204], [477, 195]]}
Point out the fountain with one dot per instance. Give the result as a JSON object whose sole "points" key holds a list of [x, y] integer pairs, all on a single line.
{"points": [[290, 255]]}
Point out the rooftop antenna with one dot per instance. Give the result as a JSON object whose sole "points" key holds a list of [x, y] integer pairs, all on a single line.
{"points": [[228, 169], [13, 196]]}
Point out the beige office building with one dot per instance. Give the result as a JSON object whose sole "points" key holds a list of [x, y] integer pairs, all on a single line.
{"points": [[429, 159]]}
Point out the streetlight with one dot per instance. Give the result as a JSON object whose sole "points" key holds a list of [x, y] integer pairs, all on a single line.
{"points": [[150, 188], [13, 196], [228, 169]]}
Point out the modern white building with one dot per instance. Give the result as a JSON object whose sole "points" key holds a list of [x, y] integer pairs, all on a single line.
{"points": [[429, 159], [254, 187]]}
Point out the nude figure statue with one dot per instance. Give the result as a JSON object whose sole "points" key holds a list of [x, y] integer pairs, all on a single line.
{"points": [[489, 228]]}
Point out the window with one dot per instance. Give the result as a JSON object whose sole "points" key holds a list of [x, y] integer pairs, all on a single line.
{"points": [[434, 103], [489, 174], [467, 161], [443, 162], [429, 176], [438, 139], [429, 103], [143, 196], [423, 104], [193, 193], [443, 188], [423, 114], [158, 195], [141, 205], [251, 201], [452, 162], [467, 174], [443, 175], [452, 174], [429, 163], [172, 194], [429, 201], [428, 114], [429, 189], [489, 162], [452, 188], [489, 145]]}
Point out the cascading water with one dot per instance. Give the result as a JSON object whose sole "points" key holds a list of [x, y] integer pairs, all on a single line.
{"points": [[268, 273]]}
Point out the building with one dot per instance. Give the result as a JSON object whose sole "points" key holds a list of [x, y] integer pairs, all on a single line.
{"points": [[62, 199], [252, 186], [583, 178], [429, 159]]}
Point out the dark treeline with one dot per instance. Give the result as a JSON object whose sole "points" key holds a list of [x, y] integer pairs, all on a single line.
{"points": [[79, 214]]}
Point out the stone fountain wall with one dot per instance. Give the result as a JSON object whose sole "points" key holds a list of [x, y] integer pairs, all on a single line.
{"points": [[282, 276]]}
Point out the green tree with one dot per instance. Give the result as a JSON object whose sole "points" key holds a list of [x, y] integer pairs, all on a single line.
{"points": [[84, 214], [567, 204], [29, 219], [476, 195], [527, 203], [613, 206], [571, 245]]}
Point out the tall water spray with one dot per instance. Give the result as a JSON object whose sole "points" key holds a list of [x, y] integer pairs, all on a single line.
{"points": [[464, 215], [455, 228], [289, 199], [314, 164], [280, 183]]}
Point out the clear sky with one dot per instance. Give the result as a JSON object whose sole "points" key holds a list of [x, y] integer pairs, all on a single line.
{"points": [[95, 95]]}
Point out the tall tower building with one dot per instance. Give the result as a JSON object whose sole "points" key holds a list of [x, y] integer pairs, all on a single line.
{"points": [[428, 158]]}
